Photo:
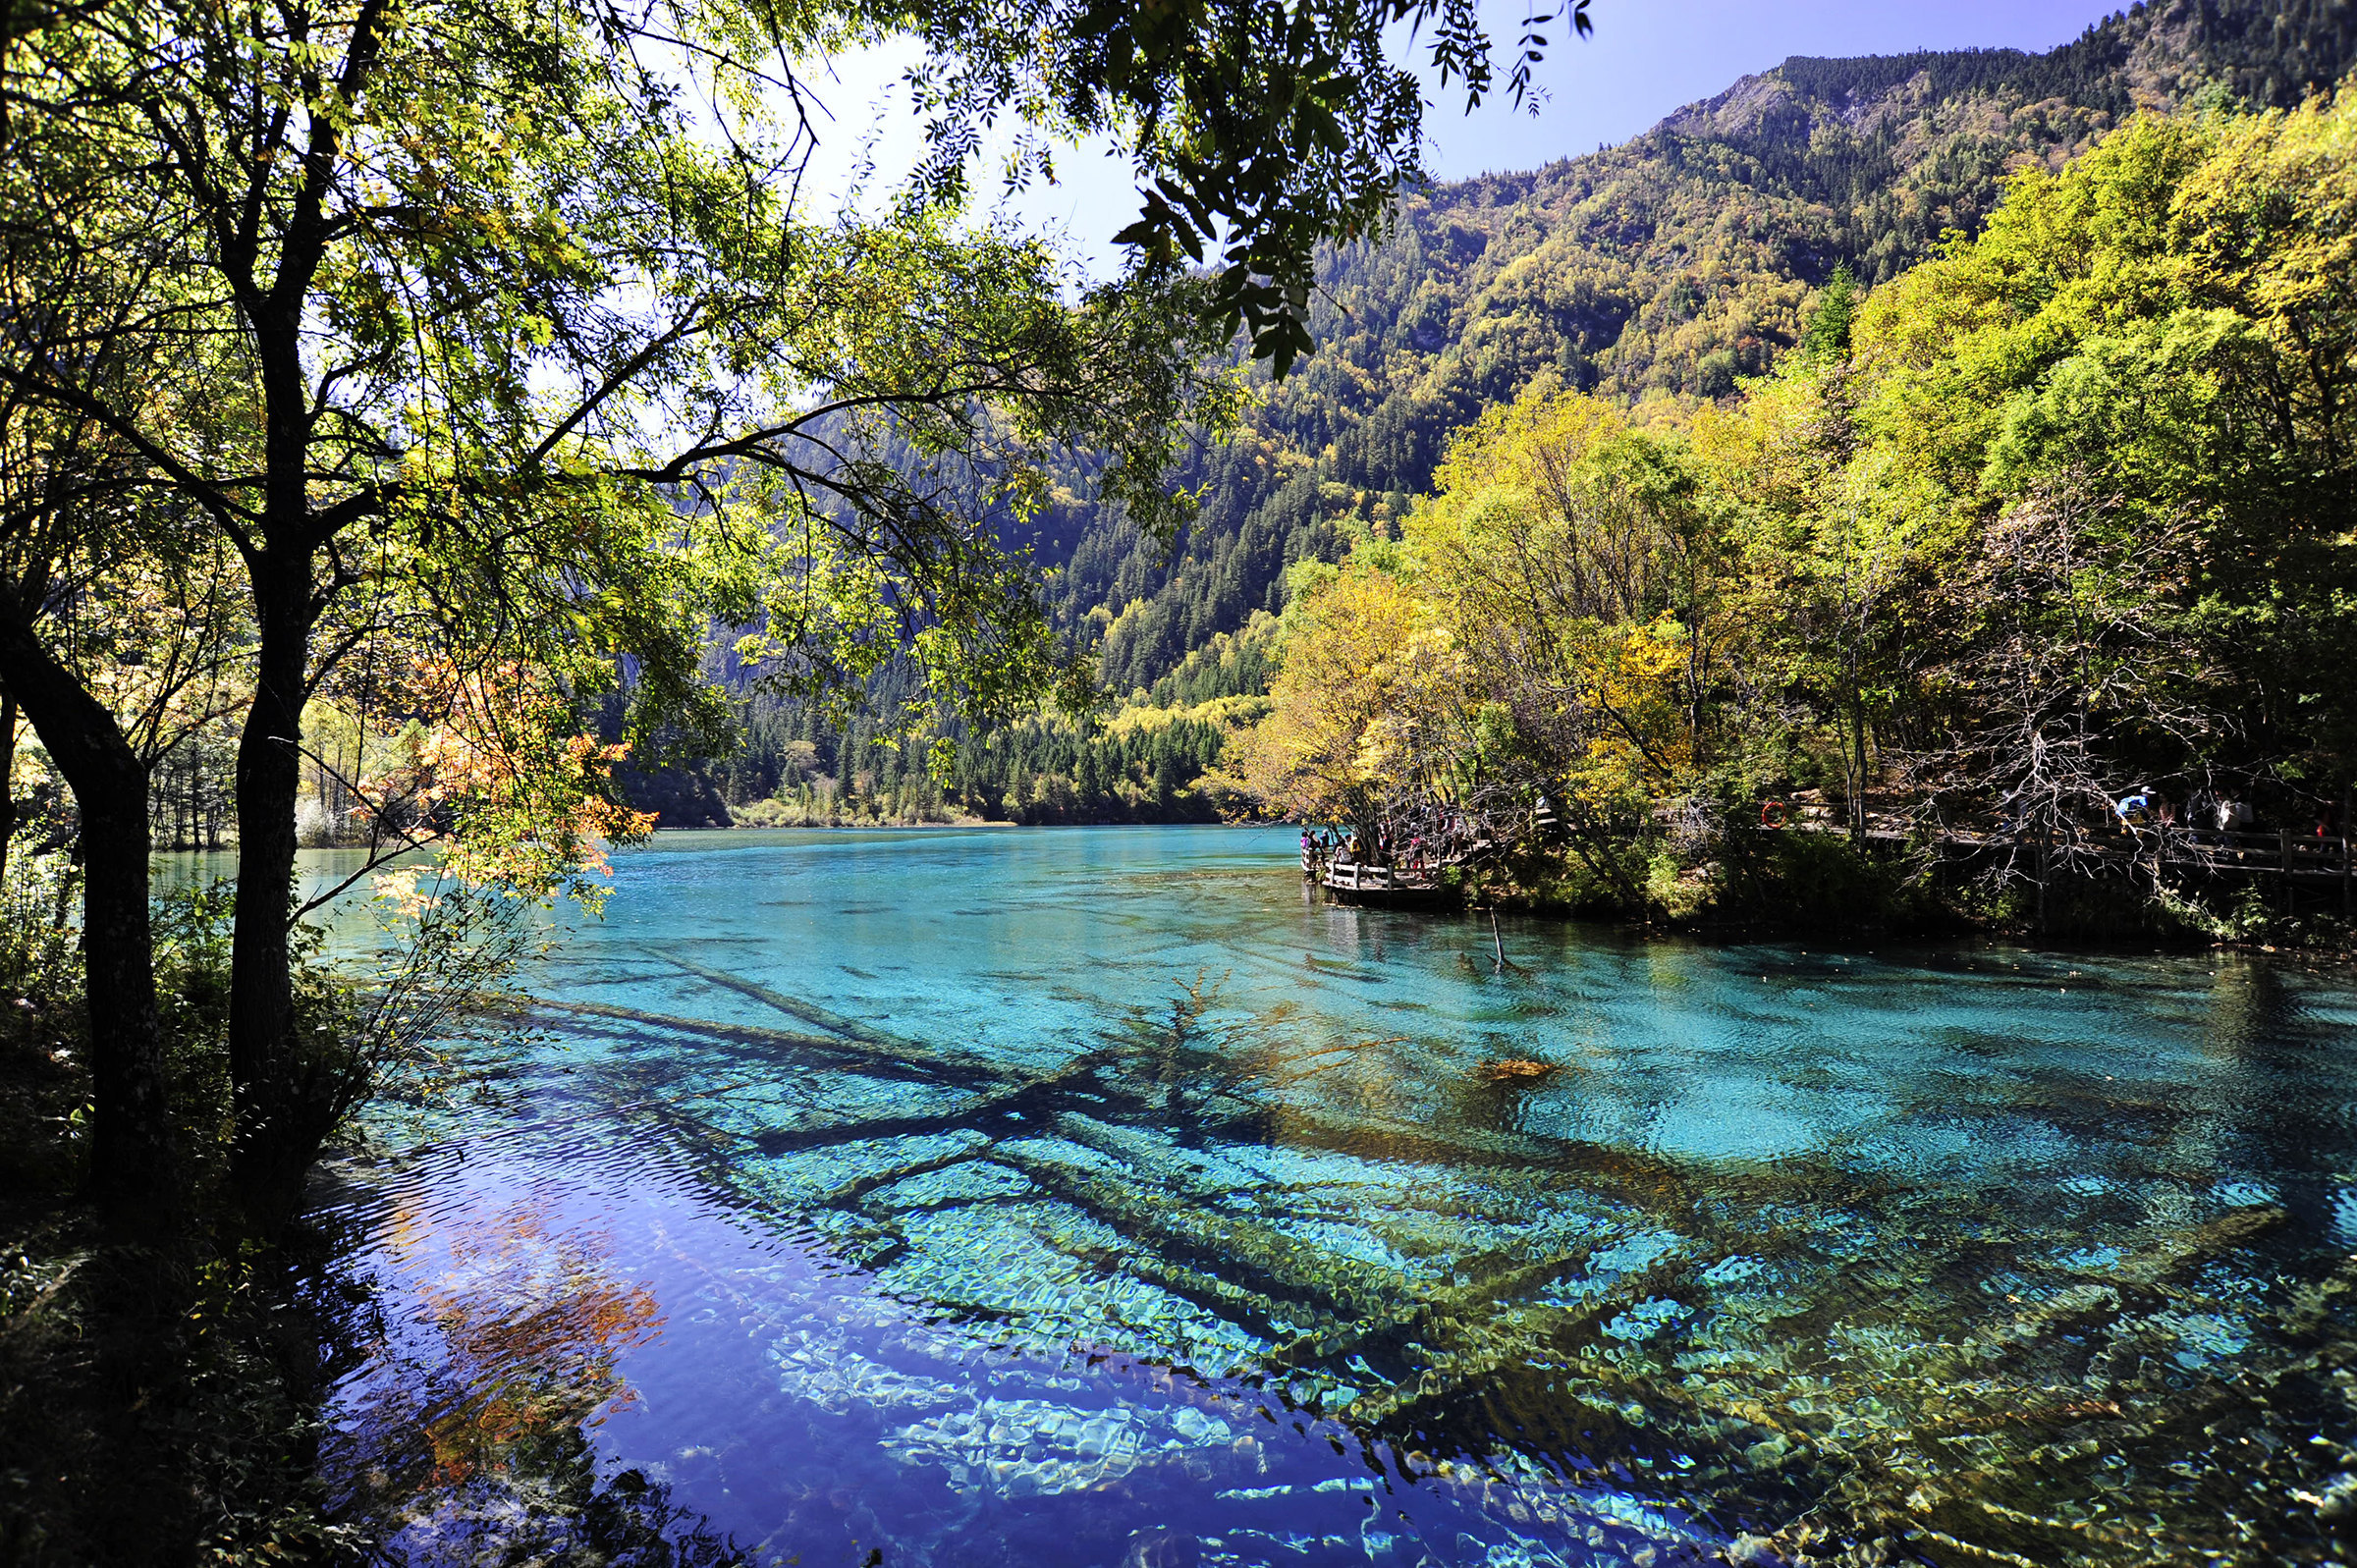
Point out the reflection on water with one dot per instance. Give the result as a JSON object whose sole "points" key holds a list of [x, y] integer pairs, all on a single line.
{"points": [[1094, 1198], [528, 1326], [786, 1409]]}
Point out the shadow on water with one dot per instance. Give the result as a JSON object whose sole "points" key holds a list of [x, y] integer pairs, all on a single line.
{"points": [[1272, 1234]]}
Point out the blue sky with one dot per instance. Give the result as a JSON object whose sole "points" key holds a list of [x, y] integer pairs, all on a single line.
{"points": [[1647, 59], [1644, 60]]}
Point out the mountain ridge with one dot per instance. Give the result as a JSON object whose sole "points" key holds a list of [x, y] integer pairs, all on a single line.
{"points": [[1669, 267], [1673, 265]]}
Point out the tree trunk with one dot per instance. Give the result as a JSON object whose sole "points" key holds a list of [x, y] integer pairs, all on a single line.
{"points": [[1600, 860], [133, 1167], [2046, 838], [8, 777], [1857, 797], [275, 1140]]}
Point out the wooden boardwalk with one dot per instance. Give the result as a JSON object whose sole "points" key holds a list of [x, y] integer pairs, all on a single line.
{"points": [[2306, 862], [2311, 862], [2282, 854], [1358, 882]]}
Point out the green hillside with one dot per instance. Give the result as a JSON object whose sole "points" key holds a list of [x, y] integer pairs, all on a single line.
{"points": [[1667, 267]]}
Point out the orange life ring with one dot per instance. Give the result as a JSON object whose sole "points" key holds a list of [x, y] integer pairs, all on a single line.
{"points": [[1772, 814]]}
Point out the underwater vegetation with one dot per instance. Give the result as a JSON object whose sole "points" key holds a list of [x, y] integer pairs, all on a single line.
{"points": [[1098, 1201], [1829, 1357]]}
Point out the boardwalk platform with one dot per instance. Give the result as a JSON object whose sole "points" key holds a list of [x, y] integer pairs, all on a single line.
{"points": [[2302, 855], [1352, 882]]}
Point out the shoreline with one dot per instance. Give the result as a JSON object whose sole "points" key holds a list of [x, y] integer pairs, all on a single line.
{"points": [[964, 822]]}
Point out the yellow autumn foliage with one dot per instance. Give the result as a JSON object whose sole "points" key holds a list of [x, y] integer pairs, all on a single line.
{"points": [[1366, 674]]}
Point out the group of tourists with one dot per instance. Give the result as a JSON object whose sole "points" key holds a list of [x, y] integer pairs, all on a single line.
{"points": [[2205, 812], [1412, 845]]}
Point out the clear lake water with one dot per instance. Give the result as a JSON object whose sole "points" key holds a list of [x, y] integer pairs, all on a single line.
{"points": [[1099, 1198]]}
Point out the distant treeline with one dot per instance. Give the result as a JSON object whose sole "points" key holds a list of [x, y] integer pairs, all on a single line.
{"points": [[797, 766]]}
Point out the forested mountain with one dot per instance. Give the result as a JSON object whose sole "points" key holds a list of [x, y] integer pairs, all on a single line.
{"points": [[1664, 268]]}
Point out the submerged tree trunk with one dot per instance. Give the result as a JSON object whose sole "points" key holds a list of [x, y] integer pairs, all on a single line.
{"points": [[134, 1168], [275, 1136]]}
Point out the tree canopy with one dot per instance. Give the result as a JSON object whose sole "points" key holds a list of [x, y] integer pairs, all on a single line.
{"points": [[478, 357], [1673, 265], [2059, 515]]}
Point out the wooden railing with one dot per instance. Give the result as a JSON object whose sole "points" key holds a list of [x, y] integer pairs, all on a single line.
{"points": [[2284, 850], [1351, 876], [2290, 857], [2331, 854]]}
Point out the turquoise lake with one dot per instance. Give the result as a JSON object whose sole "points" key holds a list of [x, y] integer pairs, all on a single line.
{"points": [[1097, 1197]]}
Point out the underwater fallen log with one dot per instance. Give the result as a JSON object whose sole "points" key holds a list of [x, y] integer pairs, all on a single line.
{"points": [[1553, 1330], [811, 1012], [2166, 1260], [998, 1105], [1435, 1310], [2148, 1271], [1652, 1183], [890, 1062], [1285, 1265], [1224, 1298], [851, 1194], [1088, 1129], [1233, 1303], [2312, 1304]]}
